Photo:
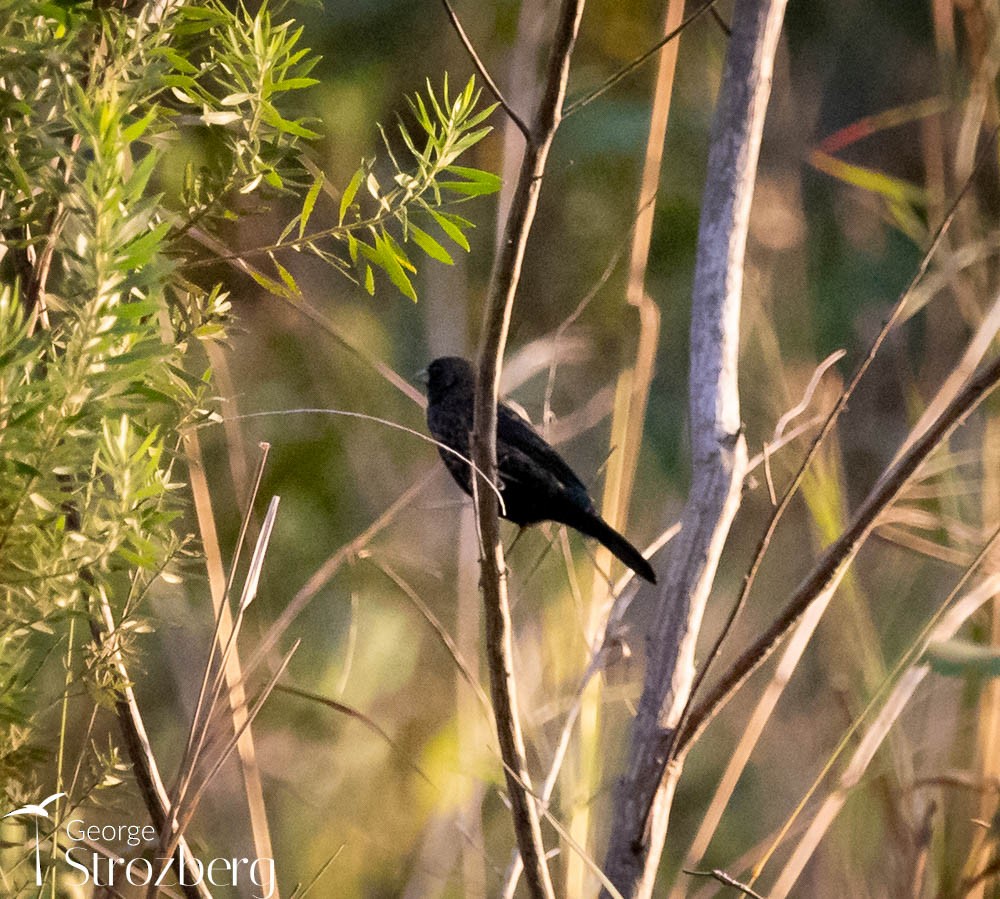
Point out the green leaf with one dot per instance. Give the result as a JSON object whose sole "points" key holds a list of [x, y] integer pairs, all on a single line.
{"points": [[369, 280], [270, 285], [429, 245], [450, 228], [137, 129], [286, 277], [350, 192], [177, 60], [287, 126], [294, 84], [310, 202], [136, 309], [480, 116], [393, 266], [960, 658], [491, 183], [24, 468], [466, 188]]}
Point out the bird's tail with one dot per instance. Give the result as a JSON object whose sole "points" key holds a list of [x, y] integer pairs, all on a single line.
{"points": [[596, 527]]}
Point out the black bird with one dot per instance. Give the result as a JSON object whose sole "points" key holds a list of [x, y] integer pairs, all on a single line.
{"points": [[535, 483]]}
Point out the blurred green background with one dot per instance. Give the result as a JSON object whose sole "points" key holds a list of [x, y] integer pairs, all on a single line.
{"points": [[422, 816]]}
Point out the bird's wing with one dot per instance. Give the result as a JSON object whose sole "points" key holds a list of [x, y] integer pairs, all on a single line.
{"points": [[524, 440]]}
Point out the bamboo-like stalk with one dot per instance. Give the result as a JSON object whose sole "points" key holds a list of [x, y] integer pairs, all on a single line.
{"points": [[628, 417], [232, 667]]}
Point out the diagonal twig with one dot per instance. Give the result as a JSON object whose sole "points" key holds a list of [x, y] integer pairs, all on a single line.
{"points": [[484, 72], [831, 420], [832, 564], [628, 69]]}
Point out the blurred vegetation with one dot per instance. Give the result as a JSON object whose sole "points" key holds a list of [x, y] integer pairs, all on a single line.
{"points": [[176, 170]]}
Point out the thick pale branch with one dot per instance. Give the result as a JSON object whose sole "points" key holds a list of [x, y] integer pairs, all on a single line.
{"points": [[642, 800]]}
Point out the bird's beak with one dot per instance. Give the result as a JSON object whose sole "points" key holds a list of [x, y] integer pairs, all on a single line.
{"points": [[422, 377]]}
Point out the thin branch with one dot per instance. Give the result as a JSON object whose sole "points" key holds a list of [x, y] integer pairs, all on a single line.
{"points": [[627, 70], [723, 25], [833, 563], [325, 573], [726, 880], [484, 73], [351, 712], [891, 698], [139, 750], [496, 324], [446, 639], [316, 317]]}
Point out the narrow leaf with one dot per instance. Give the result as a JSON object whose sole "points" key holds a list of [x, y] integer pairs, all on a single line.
{"points": [[349, 193], [310, 202], [430, 246]]}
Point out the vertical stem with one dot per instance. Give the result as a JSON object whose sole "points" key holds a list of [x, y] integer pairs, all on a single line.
{"points": [[627, 422], [644, 795], [496, 324]]}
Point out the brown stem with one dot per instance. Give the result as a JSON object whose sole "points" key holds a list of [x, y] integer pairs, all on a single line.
{"points": [[496, 323], [483, 71], [140, 753]]}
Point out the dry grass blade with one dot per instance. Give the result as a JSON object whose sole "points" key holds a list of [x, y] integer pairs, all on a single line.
{"points": [[830, 568], [828, 424], [248, 593], [793, 413], [754, 727], [229, 666], [579, 850], [357, 715], [233, 742], [974, 353], [257, 561], [223, 633], [905, 679], [468, 675], [298, 893], [322, 576]]}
